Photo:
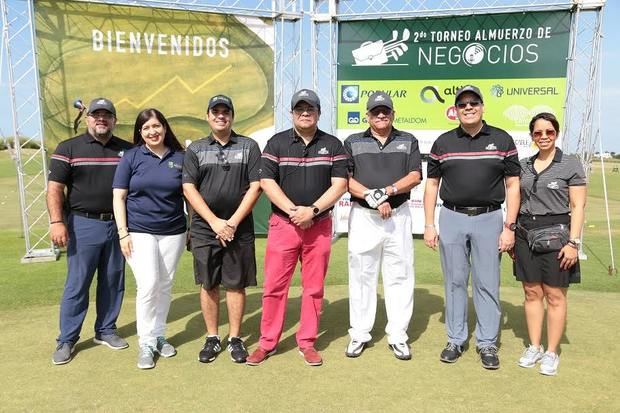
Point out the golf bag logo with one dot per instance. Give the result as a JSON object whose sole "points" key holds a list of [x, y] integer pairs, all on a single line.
{"points": [[379, 52]]}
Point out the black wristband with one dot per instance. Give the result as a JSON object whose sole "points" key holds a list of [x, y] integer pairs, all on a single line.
{"points": [[57, 222], [124, 237]]}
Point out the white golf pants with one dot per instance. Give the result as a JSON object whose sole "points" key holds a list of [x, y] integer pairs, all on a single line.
{"points": [[154, 261], [387, 244]]}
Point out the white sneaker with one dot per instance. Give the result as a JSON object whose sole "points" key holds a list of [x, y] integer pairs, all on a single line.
{"points": [[355, 348], [549, 364], [401, 351], [146, 357], [531, 356]]}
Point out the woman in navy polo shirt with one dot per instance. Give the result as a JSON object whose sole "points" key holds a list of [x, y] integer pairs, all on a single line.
{"points": [[148, 208], [553, 191]]}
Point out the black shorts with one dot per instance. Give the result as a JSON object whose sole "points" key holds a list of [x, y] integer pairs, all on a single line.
{"points": [[233, 267], [533, 267]]}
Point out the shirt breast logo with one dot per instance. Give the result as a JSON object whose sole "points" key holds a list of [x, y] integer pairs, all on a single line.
{"points": [[171, 165], [121, 153], [239, 155], [402, 147], [553, 185], [491, 147], [323, 151]]}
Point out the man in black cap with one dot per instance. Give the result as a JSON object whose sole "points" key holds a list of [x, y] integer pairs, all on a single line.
{"points": [[221, 183], [303, 173], [83, 222], [478, 168], [384, 165]]}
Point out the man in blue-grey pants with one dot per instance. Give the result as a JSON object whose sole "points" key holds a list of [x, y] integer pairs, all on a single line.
{"points": [[478, 167], [83, 222]]}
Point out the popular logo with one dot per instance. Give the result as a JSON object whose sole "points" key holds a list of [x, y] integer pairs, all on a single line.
{"points": [[434, 95], [497, 91], [121, 153], [402, 147], [491, 147], [474, 54], [350, 94], [353, 118], [379, 52], [451, 113], [553, 185], [323, 151]]}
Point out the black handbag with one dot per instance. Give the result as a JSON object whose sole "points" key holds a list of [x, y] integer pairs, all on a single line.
{"points": [[548, 239]]}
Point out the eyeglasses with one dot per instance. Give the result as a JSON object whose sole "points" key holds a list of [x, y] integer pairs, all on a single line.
{"points": [[472, 103], [549, 132], [102, 115], [221, 156], [300, 110], [380, 110]]}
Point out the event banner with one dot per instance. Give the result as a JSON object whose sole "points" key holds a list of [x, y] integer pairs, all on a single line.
{"points": [[141, 57], [518, 60]]}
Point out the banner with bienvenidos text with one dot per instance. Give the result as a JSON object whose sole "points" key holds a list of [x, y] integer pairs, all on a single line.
{"points": [[518, 60]]}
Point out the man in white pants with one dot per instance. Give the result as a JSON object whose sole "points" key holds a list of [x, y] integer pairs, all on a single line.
{"points": [[384, 165]]}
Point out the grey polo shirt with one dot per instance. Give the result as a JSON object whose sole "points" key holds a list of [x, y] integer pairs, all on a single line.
{"points": [[546, 193]]}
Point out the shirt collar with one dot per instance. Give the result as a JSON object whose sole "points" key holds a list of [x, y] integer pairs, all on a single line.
{"points": [[557, 157], [294, 136], [232, 140], [460, 132], [88, 138], [395, 132]]}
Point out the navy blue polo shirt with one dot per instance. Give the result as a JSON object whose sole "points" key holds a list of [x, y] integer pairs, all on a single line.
{"points": [[377, 165], [303, 172], [155, 194], [472, 168], [86, 167]]}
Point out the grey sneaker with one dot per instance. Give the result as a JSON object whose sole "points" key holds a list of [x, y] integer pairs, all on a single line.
{"points": [[63, 353], [111, 340], [354, 349], [401, 351], [164, 348], [145, 357], [549, 364], [531, 356]]}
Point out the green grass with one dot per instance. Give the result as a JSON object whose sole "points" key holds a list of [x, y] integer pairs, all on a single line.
{"points": [[103, 380]]}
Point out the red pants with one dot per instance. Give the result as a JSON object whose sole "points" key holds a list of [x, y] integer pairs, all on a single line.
{"points": [[286, 244]]}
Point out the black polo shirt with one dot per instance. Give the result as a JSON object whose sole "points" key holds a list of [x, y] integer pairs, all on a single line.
{"points": [[222, 175], [303, 172], [546, 193], [87, 167], [472, 169], [376, 166]]}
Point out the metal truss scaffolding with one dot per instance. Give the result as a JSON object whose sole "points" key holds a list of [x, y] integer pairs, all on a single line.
{"points": [[23, 77]]}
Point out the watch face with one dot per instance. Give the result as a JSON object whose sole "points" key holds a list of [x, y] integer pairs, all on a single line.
{"points": [[315, 210], [512, 227]]}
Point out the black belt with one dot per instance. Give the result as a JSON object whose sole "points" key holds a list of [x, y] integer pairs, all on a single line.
{"points": [[104, 216], [471, 211]]}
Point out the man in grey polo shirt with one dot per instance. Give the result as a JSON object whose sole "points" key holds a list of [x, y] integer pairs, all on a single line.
{"points": [[384, 165]]}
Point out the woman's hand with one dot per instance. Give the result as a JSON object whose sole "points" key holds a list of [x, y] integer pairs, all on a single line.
{"points": [[568, 257], [126, 245]]}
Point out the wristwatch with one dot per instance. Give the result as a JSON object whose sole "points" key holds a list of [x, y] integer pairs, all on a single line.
{"points": [[575, 242], [315, 210], [511, 227]]}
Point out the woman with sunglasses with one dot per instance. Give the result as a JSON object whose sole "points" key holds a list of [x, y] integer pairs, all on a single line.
{"points": [[553, 191], [148, 209]]}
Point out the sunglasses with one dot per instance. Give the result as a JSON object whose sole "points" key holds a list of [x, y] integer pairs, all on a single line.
{"points": [[549, 132], [380, 110], [221, 156], [472, 103], [300, 110]]}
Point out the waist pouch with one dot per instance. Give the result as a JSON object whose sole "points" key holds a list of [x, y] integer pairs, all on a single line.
{"points": [[548, 238]]}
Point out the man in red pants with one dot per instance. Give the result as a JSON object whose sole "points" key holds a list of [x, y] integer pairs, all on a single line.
{"points": [[303, 173]]}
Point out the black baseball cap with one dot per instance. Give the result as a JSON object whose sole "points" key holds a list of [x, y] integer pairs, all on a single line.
{"points": [[221, 100], [305, 95], [467, 88], [101, 104], [379, 98]]}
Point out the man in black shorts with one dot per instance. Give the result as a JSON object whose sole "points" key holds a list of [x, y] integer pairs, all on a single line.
{"points": [[221, 183]]}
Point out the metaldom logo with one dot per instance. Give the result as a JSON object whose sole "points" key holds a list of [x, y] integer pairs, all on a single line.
{"points": [[350, 94]]}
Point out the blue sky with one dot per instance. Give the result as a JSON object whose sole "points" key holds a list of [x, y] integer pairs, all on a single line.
{"points": [[610, 91]]}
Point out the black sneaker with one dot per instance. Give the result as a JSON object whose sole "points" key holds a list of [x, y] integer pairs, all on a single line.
{"points": [[210, 350], [237, 350], [451, 353], [488, 357]]}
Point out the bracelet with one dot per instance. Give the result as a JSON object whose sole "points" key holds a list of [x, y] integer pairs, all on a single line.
{"points": [[572, 244], [429, 226], [124, 237], [394, 189], [57, 222]]}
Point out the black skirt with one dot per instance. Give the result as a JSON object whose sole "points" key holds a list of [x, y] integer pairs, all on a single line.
{"points": [[533, 267]]}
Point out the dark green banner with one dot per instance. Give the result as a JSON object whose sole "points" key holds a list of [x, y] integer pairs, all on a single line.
{"points": [[492, 46]]}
